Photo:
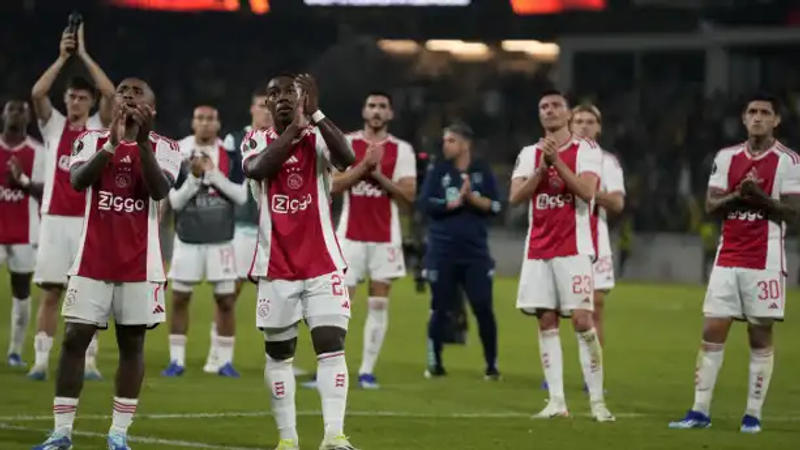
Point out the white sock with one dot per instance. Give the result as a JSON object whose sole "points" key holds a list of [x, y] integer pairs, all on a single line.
{"points": [[279, 378], [20, 315], [709, 360], [177, 349], [332, 383], [761, 362], [225, 349], [124, 409], [64, 409], [91, 352], [552, 363], [591, 357], [374, 331], [213, 357], [42, 343]]}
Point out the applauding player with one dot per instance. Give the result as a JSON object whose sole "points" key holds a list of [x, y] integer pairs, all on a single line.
{"points": [[118, 272], [21, 175], [558, 178], [383, 177], [755, 187], [299, 267]]}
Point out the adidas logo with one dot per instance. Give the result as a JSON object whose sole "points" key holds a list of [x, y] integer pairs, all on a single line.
{"points": [[126, 159], [158, 309], [773, 306], [292, 160]]}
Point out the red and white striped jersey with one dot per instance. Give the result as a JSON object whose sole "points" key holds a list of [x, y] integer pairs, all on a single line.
{"points": [[749, 240], [368, 213], [611, 181], [296, 240], [19, 211], [120, 240], [559, 222], [58, 197]]}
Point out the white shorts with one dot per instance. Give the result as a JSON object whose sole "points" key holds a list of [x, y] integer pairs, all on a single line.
{"points": [[745, 293], [604, 273], [562, 284], [283, 303], [378, 260], [193, 263], [59, 237], [94, 301], [244, 245], [21, 258]]}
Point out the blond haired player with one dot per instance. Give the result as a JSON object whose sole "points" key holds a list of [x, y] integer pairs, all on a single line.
{"points": [[610, 199]]}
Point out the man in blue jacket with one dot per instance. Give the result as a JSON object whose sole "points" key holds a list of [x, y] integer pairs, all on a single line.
{"points": [[459, 196]]}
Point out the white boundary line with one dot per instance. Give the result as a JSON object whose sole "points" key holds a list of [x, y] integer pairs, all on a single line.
{"points": [[139, 439], [377, 413]]}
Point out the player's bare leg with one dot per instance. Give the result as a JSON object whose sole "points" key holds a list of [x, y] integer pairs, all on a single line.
{"points": [[225, 316], [597, 316], [591, 357], [709, 361], [20, 316], [69, 378], [333, 381], [280, 346], [178, 327], [552, 364], [374, 331], [762, 360], [130, 373]]}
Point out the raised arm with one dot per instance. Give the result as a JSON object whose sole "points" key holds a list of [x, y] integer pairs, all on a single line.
{"points": [[486, 202], [156, 181], [87, 163], [41, 89], [613, 202], [432, 197], [268, 162], [404, 190], [101, 81], [235, 192], [30, 185], [342, 155], [583, 185], [719, 202]]}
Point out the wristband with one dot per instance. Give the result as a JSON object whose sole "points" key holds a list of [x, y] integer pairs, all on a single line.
{"points": [[317, 116], [24, 181], [107, 147]]}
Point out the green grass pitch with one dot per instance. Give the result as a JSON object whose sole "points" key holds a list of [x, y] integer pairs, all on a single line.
{"points": [[652, 338]]}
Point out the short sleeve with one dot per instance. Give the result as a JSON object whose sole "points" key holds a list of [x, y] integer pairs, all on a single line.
{"points": [[790, 180], [169, 158], [322, 146], [406, 166], [39, 158], [94, 122], [612, 176], [253, 143], [84, 146], [52, 128], [525, 164], [590, 159], [719, 171]]}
